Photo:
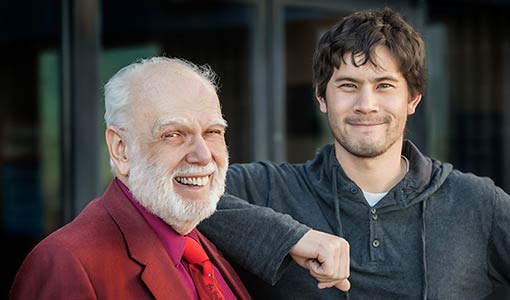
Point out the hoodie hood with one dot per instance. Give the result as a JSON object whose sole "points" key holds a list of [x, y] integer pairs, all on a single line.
{"points": [[425, 176]]}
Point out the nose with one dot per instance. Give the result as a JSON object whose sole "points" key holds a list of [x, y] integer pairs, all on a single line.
{"points": [[199, 152], [366, 101]]}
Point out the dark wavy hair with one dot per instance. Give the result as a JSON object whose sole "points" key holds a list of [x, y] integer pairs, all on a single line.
{"points": [[360, 34]]}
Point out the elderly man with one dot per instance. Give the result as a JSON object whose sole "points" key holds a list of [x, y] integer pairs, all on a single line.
{"points": [[165, 136]]}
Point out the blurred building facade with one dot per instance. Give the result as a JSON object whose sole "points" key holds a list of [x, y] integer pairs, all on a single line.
{"points": [[58, 54]]}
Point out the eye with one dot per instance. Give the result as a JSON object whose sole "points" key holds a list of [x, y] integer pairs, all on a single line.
{"points": [[215, 132], [384, 86], [171, 135], [348, 85]]}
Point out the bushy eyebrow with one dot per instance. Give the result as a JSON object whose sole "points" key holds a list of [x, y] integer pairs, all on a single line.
{"points": [[218, 122], [182, 122], [346, 78], [166, 122], [376, 79], [386, 78]]}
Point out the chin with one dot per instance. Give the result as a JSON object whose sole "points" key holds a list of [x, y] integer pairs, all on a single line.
{"points": [[193, 214]]}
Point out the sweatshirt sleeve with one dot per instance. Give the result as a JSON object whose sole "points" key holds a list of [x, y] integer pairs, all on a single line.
{"points": [[499, 246], [252, 235]]}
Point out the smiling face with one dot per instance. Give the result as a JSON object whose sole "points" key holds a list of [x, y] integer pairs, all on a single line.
{"points": [[178, 158], [367, 106]]}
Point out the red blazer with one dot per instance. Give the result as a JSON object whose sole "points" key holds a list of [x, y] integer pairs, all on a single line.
{"points": [[108, 252]]}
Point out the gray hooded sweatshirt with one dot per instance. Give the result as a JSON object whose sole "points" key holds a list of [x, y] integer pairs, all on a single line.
{"points": [[438, 234]]}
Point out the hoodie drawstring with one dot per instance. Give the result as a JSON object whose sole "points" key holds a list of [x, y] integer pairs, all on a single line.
{"points": [[340, 230], [424, 253]]}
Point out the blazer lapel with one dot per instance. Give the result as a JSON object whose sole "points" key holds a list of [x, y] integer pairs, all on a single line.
{"points": [[159, 273], [163, 281]]}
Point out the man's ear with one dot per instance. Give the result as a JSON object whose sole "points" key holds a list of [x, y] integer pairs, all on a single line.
{"points": [[118, 148], [411, 106], [322, 102]]}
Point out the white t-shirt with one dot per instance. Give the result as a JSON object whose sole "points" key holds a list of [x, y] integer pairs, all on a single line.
{"points": [[373, 198]]}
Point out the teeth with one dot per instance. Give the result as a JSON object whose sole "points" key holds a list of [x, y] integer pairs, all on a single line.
{"points": [[198, 181]]}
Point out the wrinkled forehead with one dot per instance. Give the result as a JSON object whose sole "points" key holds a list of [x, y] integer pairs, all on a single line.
{"points": [[172, 82], [171, 90]]}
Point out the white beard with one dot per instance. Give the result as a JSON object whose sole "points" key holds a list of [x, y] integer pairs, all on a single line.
{"points": [[153, 188]]}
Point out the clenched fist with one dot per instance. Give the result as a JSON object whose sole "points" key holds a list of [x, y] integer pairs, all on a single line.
{"points": [[326, 257]]}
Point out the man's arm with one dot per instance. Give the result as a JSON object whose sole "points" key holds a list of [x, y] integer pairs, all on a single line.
{"points": [[257, 238], [261, 239], [500, 239]]}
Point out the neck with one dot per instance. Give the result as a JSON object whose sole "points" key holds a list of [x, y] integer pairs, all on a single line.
{"points": [[376, 174], [184, 228]]}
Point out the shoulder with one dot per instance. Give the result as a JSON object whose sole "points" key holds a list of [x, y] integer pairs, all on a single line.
{"points": [[264, 169], [471, 188], [469, 182], [92, 230], [322, 159], [51, 251]]}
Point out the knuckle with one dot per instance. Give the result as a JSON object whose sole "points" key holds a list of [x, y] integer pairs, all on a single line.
{"points": [[347, 247]]}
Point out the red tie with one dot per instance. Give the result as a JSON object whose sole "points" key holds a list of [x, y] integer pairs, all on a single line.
{"points": [[201, 270]]}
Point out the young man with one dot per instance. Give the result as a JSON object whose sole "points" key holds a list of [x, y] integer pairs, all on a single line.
{"points": [[416, 228], [165, 134]]}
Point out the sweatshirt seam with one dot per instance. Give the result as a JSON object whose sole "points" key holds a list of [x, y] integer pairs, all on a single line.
{"points": [[491, 234]]}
